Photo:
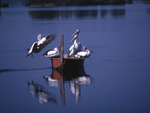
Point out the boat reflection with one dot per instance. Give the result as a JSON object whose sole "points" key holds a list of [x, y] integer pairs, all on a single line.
{"points": [[75, 85], [53, 80], [76, 80], [115, 13], [148, 11], [62, 14], [38, 91], [76, 14]]}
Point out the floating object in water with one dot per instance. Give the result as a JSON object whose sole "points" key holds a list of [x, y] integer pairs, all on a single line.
{"points": [[42, 42], [52, 53]]}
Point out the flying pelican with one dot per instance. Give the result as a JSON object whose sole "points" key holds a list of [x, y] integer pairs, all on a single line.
{"points": [[41, 43], [76, 45], [52, 53], [84, 53]]}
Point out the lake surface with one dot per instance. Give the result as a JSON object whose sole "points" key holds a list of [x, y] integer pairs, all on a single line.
{"points": [[118, 72]]}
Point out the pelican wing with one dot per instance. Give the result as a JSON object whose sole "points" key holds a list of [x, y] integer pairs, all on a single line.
{"points": [[51, 53], [42, 42], [70, 49], [45, 41], [82, 53], [49, 39]]}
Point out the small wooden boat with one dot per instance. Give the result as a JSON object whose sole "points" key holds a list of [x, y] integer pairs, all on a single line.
{"points": [[66, 64], [69, 63]]}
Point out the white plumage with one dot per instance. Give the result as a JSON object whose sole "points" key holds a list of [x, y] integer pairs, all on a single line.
{"points": [[84, 53], [34, 45], [41, 43], [76, 45], [52, 53]]}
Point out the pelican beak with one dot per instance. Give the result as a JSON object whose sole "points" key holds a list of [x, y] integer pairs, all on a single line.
{"points": [[77, 32], [75, 37], [92, 51]]}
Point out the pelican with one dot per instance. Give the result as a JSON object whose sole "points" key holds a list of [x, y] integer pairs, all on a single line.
{"points": [[76, 45], [52, 53], [41, 43], [84, 53]]}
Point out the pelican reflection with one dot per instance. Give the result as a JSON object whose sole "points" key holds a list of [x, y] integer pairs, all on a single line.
{"points": [[75, 80], [38, 91]]}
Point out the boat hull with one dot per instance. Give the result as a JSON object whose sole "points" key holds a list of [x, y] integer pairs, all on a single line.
{"points": [[71, 67], [69, 63]]}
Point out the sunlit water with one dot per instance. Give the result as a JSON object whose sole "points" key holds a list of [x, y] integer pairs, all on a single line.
{"points": [[118, 71]]}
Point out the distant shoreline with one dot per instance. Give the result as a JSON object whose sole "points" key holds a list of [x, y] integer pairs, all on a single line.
{"points": [[35, 5], [43, 3], [4, 5], [63, 4]]}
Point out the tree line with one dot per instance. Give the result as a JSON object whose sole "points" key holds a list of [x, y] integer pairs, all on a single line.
{"points": [[75, 2]]}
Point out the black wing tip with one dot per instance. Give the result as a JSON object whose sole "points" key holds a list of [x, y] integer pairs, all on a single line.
{"points": [[52, 36], [29, 55], [47, 52], [44, 53]]}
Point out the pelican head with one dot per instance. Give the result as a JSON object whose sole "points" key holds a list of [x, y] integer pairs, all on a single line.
{"points": [[75, 35], [77, 32], [86, 49], [55, 49], [39, 37]]}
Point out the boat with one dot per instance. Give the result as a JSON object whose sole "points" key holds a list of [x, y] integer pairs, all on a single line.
{"points": [[70, 64], [64, 62]]}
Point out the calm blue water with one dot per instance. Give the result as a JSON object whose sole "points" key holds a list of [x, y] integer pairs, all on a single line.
{"points": [[119, 68]]}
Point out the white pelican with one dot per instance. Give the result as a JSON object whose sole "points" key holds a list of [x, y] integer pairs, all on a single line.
{"points": [[52, 53], [84, 53], [41, 43], [76, 45]]}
